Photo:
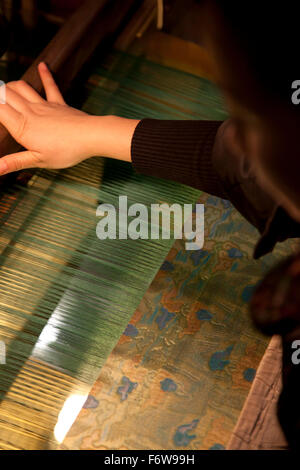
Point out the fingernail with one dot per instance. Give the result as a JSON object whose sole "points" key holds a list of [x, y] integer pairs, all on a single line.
{"points": [[3, 167], [43, 65]]}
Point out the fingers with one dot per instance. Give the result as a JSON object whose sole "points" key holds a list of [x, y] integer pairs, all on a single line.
{"points": [[15, 100], [11, 119], [25, 90], [17, 161], [51, 89]]}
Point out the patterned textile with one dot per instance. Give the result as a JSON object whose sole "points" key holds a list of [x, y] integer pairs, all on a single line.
{"points": [[182, 370]]}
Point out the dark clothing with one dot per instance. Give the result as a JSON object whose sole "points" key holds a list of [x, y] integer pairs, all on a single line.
{"points": [[275, 310], [199, 153]]}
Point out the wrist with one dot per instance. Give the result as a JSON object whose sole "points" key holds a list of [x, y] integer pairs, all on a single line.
{"points": [[109, 136]]}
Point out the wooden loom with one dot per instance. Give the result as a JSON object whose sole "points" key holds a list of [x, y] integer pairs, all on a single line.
{"points": [[92, 23], [65, 300]]}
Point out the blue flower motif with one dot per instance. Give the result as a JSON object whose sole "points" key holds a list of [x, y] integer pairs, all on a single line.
{"points": [[217, 447], [198, 255], [249, 374], [181, 437], [234, 253], [91, 402], [167, 266], [168, 385], [204, 314], [219, 359], [131, 330], [247, 293], [164, 318], [126, 388]]}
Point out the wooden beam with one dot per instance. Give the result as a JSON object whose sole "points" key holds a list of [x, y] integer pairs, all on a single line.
{"points": [[136, 26]]}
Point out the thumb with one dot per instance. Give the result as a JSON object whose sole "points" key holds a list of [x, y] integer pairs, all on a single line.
{"points": [[17, 161]]}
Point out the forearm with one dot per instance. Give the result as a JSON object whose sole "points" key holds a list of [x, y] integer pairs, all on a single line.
{"points": [[109, 136]]}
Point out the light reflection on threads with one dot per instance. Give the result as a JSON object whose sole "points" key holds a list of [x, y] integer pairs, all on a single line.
{"points": [[67, 415]]}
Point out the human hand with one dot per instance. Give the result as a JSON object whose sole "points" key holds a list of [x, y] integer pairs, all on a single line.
{"points": [[54, 134]]}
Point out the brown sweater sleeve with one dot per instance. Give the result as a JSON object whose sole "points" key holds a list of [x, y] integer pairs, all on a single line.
{"points": [[178, 150], [202, 154]]}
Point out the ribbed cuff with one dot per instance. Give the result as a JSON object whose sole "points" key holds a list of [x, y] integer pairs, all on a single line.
{"points": [[179, 151]]}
